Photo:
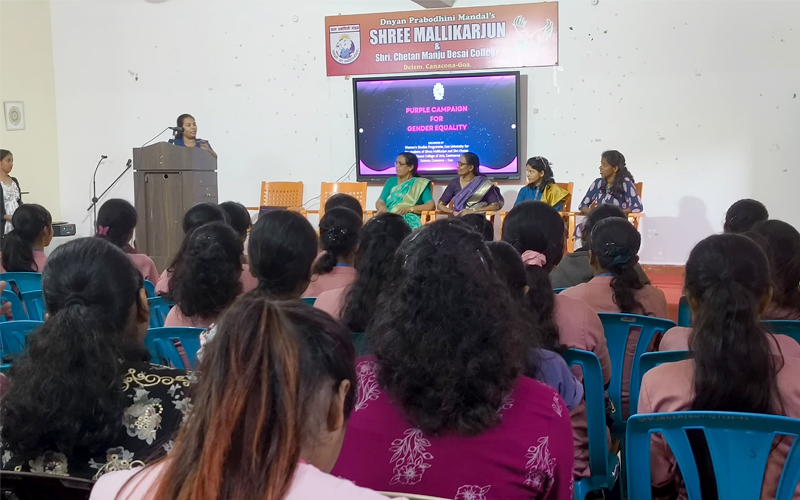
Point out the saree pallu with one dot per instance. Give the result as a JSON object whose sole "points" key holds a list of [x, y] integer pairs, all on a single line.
{"points": [[477, 194], [407, 195]]}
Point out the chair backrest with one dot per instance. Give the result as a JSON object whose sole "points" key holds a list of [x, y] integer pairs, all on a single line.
{"points": [[24, 281], [739, 445], [149, 289], [161, 344], [559, 290], [33, 301], [309, 300], [282, 194], [34, 486], [159, 308], [684, 312], [16, 305], [618, 329], [13, 335], [647, 362], [639, 187], [566, 206], [357, 190], [594, 395], [788, 328]]}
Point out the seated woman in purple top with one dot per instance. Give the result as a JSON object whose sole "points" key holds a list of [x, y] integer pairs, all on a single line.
{"points": [[443, 408], [615, 186], [470, 192]]}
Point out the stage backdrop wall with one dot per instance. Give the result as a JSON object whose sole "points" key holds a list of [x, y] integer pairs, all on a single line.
{"points": [[699, 95]]}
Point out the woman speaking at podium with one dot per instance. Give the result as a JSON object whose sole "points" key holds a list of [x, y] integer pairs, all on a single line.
{"points": [[188, 138]]}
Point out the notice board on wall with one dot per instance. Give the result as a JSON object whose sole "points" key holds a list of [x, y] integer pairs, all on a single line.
{"points": [[469, 39]]}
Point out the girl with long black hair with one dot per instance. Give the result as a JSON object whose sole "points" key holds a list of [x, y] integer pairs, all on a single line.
{"points": [[615, 186], [23, 247]]}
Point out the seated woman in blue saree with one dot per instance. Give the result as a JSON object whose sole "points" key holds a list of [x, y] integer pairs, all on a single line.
{"points": [[541, 185], [470, 192], [408, 194]]}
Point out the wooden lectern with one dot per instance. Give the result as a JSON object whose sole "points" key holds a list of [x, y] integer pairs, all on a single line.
{"points": [[167, 181]]}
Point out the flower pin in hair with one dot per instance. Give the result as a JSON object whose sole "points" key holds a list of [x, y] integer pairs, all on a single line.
{"points": [[102, 230]]}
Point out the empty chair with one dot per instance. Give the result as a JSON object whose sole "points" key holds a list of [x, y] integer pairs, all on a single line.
{"points": [[161, 343]]}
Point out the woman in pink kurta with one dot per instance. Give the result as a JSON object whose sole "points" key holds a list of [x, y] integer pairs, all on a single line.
{"points": [[442, 408], [241, 442], [355, 304], [339, 234], [737, 366], [536, 230], [205, 280], [23, 246], [116, 222]]}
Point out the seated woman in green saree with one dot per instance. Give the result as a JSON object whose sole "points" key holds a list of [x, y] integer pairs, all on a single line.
{"points": [[408, 194]]}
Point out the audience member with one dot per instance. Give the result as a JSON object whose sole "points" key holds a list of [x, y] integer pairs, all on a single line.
{"points": [[575, 269], [23, 247], [743, 214], [272, 402], [443, 409], [615, 186], [738, 366], [552, 369], [784, 243], [84, 400], [340, 231], [200, 214], [481, 225], [344, 200], [239, 219], [616, 287], [355, 304], [116, 222], [206, 279], [536, 231]]}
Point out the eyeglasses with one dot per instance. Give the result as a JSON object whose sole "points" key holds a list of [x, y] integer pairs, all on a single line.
{"points": [[462, 164], [401, 164]]}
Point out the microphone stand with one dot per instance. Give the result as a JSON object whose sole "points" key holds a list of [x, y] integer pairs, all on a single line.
{"points": [[95, 199], [94, 190]]}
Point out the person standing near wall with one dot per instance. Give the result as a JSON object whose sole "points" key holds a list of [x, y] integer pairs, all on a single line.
{"points": [[12, 194], [188, 138]]}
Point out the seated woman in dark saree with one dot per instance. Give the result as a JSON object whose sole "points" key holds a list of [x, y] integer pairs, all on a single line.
{"points": [[470, 192]]}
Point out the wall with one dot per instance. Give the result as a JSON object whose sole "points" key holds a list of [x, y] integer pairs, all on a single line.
{"points": [[26, 74], [699, 95]]}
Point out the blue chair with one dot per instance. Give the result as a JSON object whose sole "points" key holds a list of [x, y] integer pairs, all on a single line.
{"points": [[647, 362], [160, 343], [25, 282], [739, 445], [16, 306], [558, 290], [159, 308], [788, 328], [684, 312], [149, 289], [13, 335], [604, 465], [34, 304], [309, 300]]}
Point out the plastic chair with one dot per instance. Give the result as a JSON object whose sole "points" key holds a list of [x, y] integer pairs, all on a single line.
{"points": [[309, 300], [149, 289], [13, 335], [25, 282], [16, 306], [34, 304], [357, 190], [788, 328], [282, 194], [647, 362], [160, 342], [159, 308], [604, 465], [684, 312], [558, 290], [33, 486], [739, 446]]}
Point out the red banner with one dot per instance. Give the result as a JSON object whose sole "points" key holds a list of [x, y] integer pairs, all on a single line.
{"points": [[505, 36]]}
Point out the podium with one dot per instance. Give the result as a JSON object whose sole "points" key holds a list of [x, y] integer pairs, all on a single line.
{"points": [[167, 181]]}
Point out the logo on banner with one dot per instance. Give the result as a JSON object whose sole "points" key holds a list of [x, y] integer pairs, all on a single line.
{"points": [[345, 43], [438, 91]]}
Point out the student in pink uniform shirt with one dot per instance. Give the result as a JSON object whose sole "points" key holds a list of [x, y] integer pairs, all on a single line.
{"points": [[537, 231], [23, 246], [269, 417], [784, 246], [200, 214], [205, 280], [339, 233], [737, 364], [116, 221], [355, 304], [239, 219]]}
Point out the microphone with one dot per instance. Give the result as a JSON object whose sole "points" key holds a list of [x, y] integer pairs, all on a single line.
{"points": [[176, 129], [103, 157]]}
